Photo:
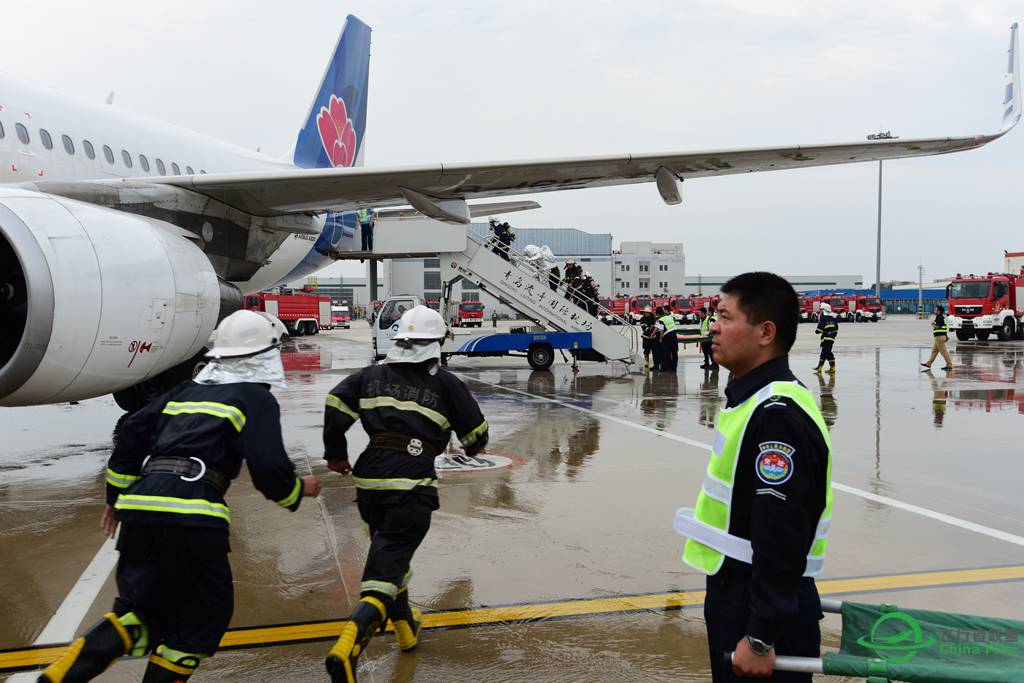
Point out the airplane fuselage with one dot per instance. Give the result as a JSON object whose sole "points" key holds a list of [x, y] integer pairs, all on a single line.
{"points": [[48, 136]]}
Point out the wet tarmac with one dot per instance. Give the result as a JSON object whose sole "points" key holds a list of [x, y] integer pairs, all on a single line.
{"points": [[589, 470]]}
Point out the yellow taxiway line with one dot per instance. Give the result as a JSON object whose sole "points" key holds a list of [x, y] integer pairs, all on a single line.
{"points": [[264, 636]]}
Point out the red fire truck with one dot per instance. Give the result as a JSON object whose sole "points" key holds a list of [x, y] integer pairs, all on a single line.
{"points": [[842, 305], [708, 302], [301, 312], [806, 308], [469, 314], [637, 304], [683, 308], [613, 310], [867, 308], [980, 305]]}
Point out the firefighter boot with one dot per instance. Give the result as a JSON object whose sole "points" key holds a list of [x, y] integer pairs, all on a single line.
{"points": [[406, 620], [368, 616], [171, 666], [831, 367], [89, 656], [817, 368]]}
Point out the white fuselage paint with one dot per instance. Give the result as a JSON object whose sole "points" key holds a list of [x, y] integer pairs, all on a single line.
{"points": [[39, 108]]}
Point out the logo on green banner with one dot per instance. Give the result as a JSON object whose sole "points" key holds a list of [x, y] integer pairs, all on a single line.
{"points": [[896, 637]]}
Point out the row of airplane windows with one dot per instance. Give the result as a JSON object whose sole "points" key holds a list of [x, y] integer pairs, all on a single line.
{"points": [[90, 151]]}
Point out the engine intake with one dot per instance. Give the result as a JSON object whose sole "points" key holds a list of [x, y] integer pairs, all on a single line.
{"points": [[94, 300]]}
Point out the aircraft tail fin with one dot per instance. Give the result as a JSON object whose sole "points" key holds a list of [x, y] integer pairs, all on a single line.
{"points": [[332, 134]]}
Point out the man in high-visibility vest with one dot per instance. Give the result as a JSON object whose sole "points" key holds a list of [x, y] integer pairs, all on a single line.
{"points": [[939, 333], [759, 529], [367, 219], [707, 319], [666, 325]]}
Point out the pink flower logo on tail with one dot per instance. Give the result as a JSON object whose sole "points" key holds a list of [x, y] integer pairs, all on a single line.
{"points": [[337, 133]]}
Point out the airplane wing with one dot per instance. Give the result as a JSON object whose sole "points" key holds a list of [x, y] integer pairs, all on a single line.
{"points": [[441, 190]]}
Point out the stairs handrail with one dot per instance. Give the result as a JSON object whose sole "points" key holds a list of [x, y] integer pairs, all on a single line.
{"points": [[626, 327]]}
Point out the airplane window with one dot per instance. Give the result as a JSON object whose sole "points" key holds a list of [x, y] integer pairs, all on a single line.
{"points": [[44, 135], [69, 146], [160, 167], [188, 169], [2, 133], [202, 172], [175, 168], [22, 133], [109, 154], [89, 151], [127, 158], [144, 162]]}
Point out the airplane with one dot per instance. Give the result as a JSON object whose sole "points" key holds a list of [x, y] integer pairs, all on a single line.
{"points": [[124, 240]]}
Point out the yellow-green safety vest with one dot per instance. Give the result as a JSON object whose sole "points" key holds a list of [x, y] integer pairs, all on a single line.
{"points": [[706, 527], [942, 330], [669, 321], [705, 325]]}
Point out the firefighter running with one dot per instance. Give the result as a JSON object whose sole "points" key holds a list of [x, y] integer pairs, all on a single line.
{"points": [[172, 463], [409, 406]]}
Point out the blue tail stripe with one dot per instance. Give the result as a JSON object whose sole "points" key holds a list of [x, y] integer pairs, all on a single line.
{"points": [[347, 78]]}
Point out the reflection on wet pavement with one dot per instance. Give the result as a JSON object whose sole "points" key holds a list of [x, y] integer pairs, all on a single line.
{"points": [[585, 513]]}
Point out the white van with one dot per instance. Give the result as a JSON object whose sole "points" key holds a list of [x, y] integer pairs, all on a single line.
{"points": [[385, 325]]}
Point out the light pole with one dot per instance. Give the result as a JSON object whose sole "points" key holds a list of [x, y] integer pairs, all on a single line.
{"points": [[920, 300], [881, 135]]}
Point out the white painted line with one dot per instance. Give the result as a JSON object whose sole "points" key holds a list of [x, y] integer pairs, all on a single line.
{"points": [[932, 514], [867, 495], [65, 621], [68, 617]]}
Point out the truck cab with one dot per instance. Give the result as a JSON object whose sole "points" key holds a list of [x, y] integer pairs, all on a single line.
{"points": [[683, 309], [341, 317], [469, 314], [985, 304], [867, 308], [637, 304], [385, 324]]}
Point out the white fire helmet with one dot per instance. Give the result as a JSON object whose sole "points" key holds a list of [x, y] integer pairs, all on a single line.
{"points": [[243, 333], [279, 327], [825, 308], [421, 323]]}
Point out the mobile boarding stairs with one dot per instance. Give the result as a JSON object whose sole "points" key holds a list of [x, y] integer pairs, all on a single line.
{"points": [[516, 282]]}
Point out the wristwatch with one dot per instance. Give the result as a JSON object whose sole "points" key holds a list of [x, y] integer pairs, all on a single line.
{"points": [[759, 646]]}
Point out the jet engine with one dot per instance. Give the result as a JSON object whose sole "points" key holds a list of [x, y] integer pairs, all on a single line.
{"points": [[94, 300]]}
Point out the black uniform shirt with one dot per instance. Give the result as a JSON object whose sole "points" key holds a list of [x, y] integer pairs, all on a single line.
{"points": [[242, 421], [938, 324], [403, 399], [827, 327], [779, 519]]}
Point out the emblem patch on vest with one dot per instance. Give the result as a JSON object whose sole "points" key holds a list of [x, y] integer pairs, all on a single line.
{"points": [[415, 447], [774, 464]]}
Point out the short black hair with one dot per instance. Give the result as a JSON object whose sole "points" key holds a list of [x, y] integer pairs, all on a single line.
{"points": [[938, 307], [766, 296]]}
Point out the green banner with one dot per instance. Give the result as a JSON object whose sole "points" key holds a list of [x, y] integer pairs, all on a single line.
{"points": [[883, 642]]}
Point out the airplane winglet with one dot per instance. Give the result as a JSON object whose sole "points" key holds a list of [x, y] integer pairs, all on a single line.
{"points": [[1011, 101]]}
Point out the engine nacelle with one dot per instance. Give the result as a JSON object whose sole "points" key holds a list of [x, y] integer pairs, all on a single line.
{"points": [[94, 300]]}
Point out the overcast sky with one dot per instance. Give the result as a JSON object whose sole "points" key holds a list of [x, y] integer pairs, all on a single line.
{"points": [[466, 80]]}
